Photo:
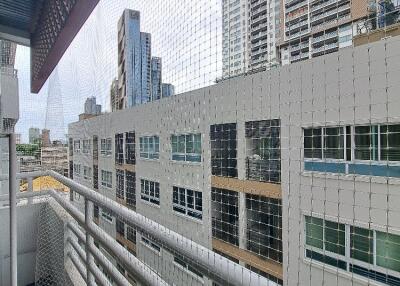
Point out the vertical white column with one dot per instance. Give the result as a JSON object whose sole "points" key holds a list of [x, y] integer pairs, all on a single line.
{"points": [[30, 188], [89, 240], [13, 208]]}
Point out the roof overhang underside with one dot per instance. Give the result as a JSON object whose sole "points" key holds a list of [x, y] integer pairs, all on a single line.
{"points": [[47, 26]]}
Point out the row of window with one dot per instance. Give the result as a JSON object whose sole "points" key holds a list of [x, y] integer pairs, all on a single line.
{"points": [[349, 143], [355, 249], [184, 201]]}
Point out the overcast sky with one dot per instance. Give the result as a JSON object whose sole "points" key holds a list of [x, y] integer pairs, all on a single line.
{"points": [[186, 34]]}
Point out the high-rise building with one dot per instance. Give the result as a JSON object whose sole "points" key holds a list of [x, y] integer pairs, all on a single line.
{"points": [[263, 31], [167, 89], [34, 135], [114, 96], [91, 107], [311, 28], [46, 137], [235, 37], [145, 42], [156, 78], [134, 61], [251, 32]]}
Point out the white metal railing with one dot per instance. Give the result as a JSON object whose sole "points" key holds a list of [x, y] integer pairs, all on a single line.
{"points": [[211, 264]]}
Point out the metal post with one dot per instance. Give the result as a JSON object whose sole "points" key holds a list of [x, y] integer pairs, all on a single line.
{"points": [[30, 188], [12, 170], [89, 240]]}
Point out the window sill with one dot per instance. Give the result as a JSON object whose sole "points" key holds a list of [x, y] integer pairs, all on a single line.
{"points": [[342, 273], [184, 216], [149, 160], [186, 163], [150, 204], [352, 177], [354, 170]]}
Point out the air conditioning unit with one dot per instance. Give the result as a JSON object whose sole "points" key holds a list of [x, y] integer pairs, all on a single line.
{"points": [[9, 101]]}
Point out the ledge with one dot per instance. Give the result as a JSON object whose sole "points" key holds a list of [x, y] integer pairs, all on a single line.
{"points": [[249, 187], [267, 265], [125, 167]]}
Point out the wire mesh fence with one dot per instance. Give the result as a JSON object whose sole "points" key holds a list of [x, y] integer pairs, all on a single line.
{"points": [[265, 131]]}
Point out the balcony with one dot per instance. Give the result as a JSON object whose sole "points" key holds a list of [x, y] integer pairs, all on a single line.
{"points": [[79, 251]]}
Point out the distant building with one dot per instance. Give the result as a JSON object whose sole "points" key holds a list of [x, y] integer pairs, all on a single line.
{"points": [[156, 78], [131, 60], [139, 75], [45, 137], [114, 96], [91, 107], [17, 138], [34, 135], [167, 89], [55, 157]]}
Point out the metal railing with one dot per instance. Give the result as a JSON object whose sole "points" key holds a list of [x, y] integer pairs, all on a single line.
{"points": [[210, 264]]}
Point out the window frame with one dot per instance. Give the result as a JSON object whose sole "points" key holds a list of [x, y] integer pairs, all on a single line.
{"points": [[107, 215], [186, 210], [77, 170], [352, 146], [103, 183], [148, 198], [147, 152], [86, 148], [77, 142], [104, 144], [347, 258], [186, 155], [87, 177]]}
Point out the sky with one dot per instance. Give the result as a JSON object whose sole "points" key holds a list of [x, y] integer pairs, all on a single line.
{"points": [[186, 34]]}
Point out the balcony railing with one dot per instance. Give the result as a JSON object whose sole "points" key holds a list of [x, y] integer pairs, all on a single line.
{"points": [[81, 233]]}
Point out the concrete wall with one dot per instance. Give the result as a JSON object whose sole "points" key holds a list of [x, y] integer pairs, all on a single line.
{"points": [[354, 86], [27, 221]]}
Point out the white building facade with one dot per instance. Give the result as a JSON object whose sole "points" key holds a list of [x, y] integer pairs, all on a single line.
{"points": [[292, 172]]}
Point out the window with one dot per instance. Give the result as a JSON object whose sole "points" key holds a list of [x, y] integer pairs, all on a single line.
{"points": [[130, 148], [370, 253], [87, 173], [77, 146], [264, 226], [225, 215], [187, 267], [107, 214], [186, 147], [333, 143], [86, 146], [390, 142], [377, 145], [130, 189], [150, 191], [120, 184], [95, 177], [263, 158], [223, 150], [313, 143], [149, 147], [131, 234], [366, 142], [152, 245], [119, 148], [106, 179], [120, 227], [105, 147], [187, 202], [77, 170]]}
